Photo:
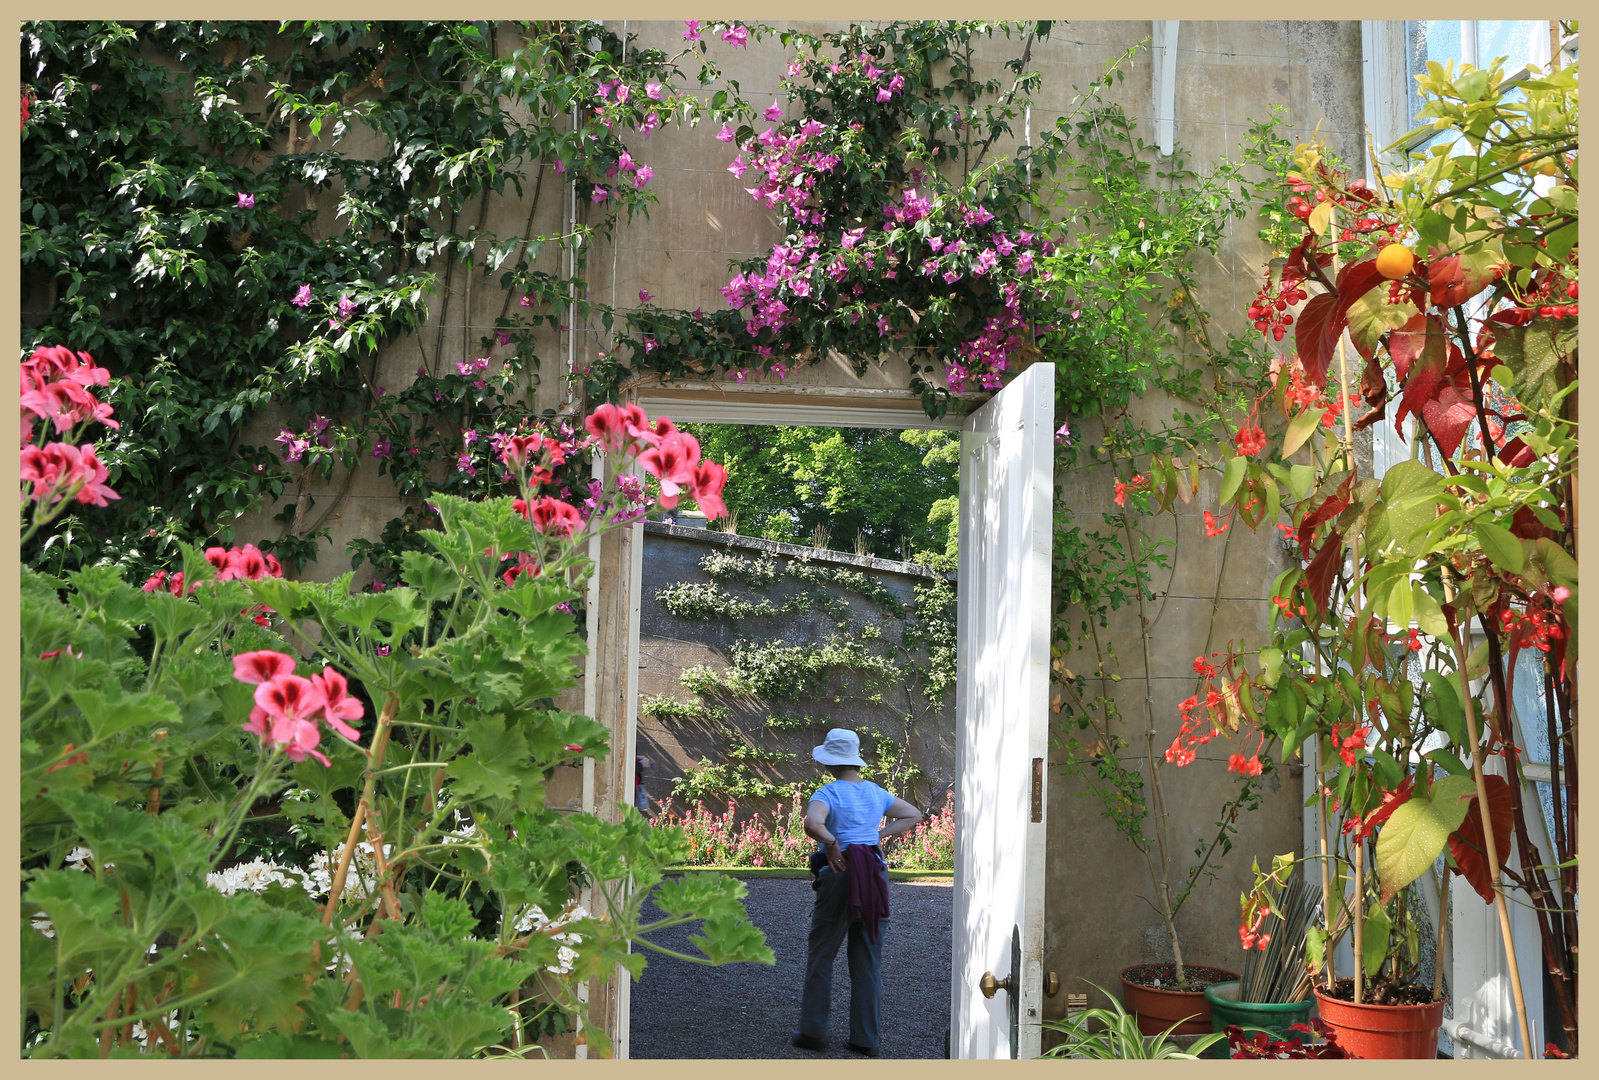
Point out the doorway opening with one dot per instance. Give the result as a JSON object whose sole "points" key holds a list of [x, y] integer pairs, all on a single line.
{"points": [[825, 598], [1003, 514]]}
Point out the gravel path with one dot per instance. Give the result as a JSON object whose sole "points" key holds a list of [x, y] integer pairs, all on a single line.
{"points": [[684, 1010]]}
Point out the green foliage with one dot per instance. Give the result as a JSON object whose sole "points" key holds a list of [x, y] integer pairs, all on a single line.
{"points": [[370, 150], [174, 866], [1117, 1037], [1461, 544], [785, 481]]}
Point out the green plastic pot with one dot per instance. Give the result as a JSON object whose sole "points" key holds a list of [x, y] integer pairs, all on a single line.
{"points": [[1275, 1017]]}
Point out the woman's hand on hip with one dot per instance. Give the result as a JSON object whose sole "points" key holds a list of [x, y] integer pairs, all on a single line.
{"points": [[835, 857]]}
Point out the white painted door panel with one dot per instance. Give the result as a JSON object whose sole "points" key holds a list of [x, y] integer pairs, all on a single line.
{"points": [[1007, 485]]}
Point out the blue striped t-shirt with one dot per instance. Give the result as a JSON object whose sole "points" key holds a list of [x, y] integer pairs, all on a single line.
{"points": [[854, 810]]}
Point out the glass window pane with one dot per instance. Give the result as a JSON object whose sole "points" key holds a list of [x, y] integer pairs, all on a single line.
{"points": [[1527, 695], [1516, 41]]}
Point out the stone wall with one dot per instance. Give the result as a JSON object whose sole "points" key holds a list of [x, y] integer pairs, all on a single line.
{"points": [[904, 724]]}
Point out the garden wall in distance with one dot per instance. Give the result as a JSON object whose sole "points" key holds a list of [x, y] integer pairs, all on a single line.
{"points": [[918, 756]]}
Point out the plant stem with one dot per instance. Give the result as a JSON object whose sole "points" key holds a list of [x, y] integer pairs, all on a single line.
{"points": [[1360, 915], [1490, 844], [1157, 801]]}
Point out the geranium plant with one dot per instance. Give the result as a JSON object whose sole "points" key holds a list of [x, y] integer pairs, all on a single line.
{"points": [[232, 850], [1420, 600]]}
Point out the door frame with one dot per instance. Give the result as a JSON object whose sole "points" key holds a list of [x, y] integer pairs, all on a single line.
{"points": [[715, 403]]}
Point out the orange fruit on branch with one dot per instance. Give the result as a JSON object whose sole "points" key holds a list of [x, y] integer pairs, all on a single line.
{"points": [[1395, 261]]}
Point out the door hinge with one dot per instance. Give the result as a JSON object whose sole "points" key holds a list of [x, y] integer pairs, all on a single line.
{"points": [[1038, 789]]}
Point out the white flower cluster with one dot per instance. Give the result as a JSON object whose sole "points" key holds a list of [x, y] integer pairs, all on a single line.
{"points": [[141, 1031], [534, 919], [465, 831], [253, 876], [257, 875]]}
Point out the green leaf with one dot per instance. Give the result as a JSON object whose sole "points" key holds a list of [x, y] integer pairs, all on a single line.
{"points": [[1387, 769], [1448, 762], [1301, 429], [86, 915], [1501, 546], [1315, 948], [1232, 478], [1372, 316], [429, 575], [1401, 603], [1300, 478], [1446, 706], [1374, 947], [1416, 833], [255, 967], [107, 715], [1429, 614], [1406, 508], [1271, 665]]}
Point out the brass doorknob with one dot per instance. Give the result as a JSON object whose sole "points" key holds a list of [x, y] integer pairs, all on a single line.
{"points": [[1051, 984], [988, 984]]}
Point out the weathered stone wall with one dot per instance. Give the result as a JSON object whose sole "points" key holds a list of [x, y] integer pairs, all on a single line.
{"points": [[669, 645]]}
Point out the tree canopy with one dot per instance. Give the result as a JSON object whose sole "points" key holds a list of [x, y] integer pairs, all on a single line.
{"points": [[895, 491]]}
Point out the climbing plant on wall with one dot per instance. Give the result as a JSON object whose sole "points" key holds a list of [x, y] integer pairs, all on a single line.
{"points": [[239, 216]]}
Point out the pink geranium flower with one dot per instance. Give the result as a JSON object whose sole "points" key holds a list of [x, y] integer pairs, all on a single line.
{"points": [[672, 462], [262, 666], [706, 488], [338, 706], [553, 517]]}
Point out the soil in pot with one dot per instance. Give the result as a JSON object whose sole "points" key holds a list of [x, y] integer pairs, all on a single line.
{"points": [[1405, 1027], [1158, 1007], [1381, 992]]}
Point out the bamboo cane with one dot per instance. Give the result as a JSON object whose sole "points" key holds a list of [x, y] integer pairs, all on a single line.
{"points": [[1490, 845]]}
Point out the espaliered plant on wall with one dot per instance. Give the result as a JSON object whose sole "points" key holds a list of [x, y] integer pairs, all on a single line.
{"points": [[897, 657]]}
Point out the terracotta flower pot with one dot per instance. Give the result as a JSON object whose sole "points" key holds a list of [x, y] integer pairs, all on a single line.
{"points": [[1158, 1008], [1383, 1031]]}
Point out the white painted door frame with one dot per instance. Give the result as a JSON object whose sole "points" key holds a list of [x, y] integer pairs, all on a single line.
{"points": [[714, 403]]}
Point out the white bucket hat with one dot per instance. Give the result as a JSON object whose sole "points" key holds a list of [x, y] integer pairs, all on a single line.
{"points": [[841, 747]]}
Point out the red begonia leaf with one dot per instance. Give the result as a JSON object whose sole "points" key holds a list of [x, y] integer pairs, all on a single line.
{"points": [[1425, 359], [1323, 319], [1315, 338], [1354, 281], [1467, 845], [1323, 569], [1329, 507]]}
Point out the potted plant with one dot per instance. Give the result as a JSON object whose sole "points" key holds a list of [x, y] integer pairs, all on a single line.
{"points": [[1418, 598], [1274, 993], [1119, 1037]]}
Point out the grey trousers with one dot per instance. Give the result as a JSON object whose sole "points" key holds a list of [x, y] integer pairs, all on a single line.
{"points": [[830, 922]]}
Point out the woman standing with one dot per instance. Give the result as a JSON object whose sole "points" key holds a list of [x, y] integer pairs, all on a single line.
{"points": [[846, 819]]}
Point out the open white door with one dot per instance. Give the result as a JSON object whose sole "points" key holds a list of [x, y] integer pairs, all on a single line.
{"points": [[1006, 523]]}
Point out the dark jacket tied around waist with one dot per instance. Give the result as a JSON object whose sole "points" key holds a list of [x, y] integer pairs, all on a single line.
{"points": [[868, 888]]}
